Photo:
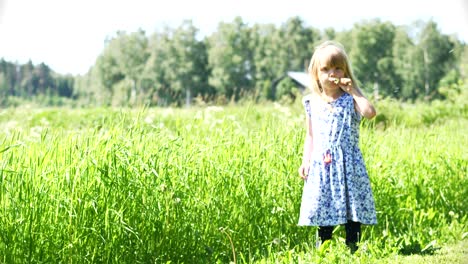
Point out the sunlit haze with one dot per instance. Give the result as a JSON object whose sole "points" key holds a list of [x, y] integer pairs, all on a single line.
{"points": [[68, 35]]}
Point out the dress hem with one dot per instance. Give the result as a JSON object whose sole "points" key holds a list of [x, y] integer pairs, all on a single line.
{"points": [[340, 223]]}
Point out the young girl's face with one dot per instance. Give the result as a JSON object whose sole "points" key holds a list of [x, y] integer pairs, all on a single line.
{"points": [[331, 65]]}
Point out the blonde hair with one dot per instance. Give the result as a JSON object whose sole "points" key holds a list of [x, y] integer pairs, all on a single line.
{"points": [[336, 57]]}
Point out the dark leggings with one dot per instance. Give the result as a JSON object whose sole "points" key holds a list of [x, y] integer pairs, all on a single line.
{"points": [[353, 231]]}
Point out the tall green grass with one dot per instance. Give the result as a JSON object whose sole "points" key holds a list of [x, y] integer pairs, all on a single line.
{"points": [[211, 185]]}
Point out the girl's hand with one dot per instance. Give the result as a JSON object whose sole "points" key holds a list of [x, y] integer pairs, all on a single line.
{"points": [[346, 85], [303, 171]]}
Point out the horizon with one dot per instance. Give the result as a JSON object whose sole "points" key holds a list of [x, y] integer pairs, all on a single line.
{"points": [[76, 30]]}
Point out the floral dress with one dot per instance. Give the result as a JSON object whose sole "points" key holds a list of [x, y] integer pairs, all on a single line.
{"points": [[337, 188]]}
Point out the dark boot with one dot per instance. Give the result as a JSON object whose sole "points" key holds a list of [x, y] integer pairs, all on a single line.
{"points": [[353, 232], [324, 233]]}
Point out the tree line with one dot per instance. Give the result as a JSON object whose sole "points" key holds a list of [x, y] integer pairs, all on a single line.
{"points": [[29, 81], [238, 61]]}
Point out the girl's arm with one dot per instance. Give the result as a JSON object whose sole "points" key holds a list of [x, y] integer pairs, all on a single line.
{"points": [[308, 147], [362, 104]]}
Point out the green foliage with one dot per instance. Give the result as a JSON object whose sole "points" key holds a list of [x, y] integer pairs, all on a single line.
{"points": [[229, 59], [371, 55], [267, 42], [32, 81], [407, 69], [210, 185], [124, 57], [267, 91], [286, 90], [236, 61], [438, 57], [176, 70], [297, 44]]}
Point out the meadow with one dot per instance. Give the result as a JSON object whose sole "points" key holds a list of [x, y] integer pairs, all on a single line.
{"points": [[219, 185]]}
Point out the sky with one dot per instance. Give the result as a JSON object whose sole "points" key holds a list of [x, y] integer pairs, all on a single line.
{"points": [[68, 35]]}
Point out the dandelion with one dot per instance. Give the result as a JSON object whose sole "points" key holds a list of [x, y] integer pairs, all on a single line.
{"points": [[335, 80]]}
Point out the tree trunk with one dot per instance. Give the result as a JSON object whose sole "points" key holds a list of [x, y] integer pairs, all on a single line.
{"points": [[133, 94], [426, 75], [187, 97]]}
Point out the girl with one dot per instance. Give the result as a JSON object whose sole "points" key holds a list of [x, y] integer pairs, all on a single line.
{"points": [[336, 185]]}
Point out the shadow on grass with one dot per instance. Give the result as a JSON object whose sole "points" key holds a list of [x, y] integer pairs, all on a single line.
{"points": [[414, 247]]}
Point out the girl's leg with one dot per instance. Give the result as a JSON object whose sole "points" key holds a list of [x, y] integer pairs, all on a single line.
{"points": [[325, 232], [353, 233]]}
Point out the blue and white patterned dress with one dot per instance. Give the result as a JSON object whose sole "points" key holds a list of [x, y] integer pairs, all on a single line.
{"points": [[337, 190]]}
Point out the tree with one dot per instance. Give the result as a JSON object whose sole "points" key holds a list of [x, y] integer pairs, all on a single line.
{"points": [[266, 45], [185, 62], [177, 66], [3, 89], [10, 76], [131, 56], [28, 79], [407, 70], [45, 82], [371, 55], [297, 44], [438, 59], [154, 76], [329, 34], [229, 59], [89, 89], [106, 70], [123, 60], [277, 51], [64, 85]]}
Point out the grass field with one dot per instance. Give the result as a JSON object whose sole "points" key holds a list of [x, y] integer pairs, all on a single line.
{"points": [[219, 185]]}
